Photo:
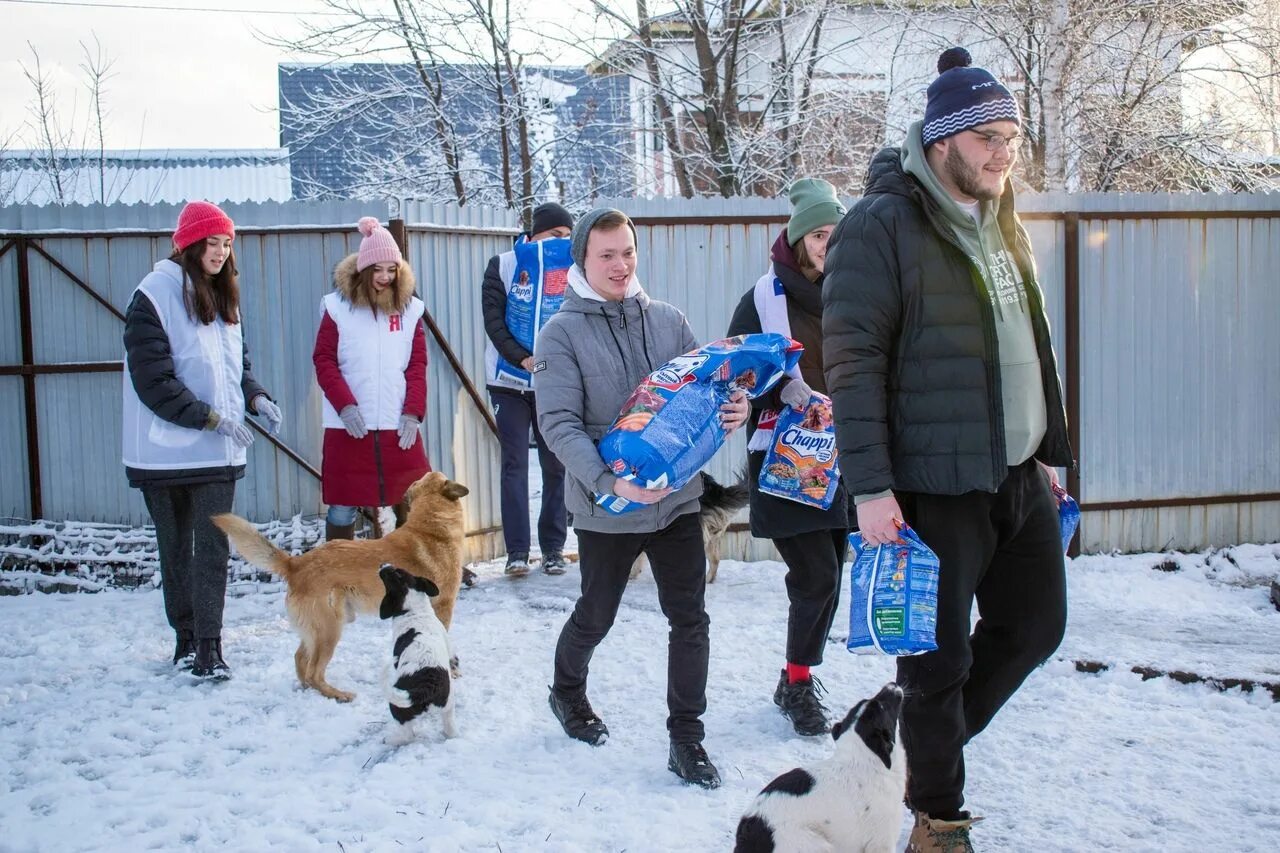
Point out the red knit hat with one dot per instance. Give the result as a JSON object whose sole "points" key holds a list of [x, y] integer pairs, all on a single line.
{"points": [[377, 247], [200, 219]]}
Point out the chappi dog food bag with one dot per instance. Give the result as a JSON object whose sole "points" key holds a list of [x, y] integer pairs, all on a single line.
{"points": [[1068, 515], [800, 464], [670, 426], [893, 607]]}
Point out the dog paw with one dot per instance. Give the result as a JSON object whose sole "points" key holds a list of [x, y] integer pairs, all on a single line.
{"points": [[455, 668]]}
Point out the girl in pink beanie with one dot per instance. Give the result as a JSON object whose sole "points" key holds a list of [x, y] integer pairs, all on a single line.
{"points": [[371, 363]]}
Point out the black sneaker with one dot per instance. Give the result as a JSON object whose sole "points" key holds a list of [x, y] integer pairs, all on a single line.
{"points": [[800, 704], [208, 662], [184, 650], [553, 563], [517, 565], [689, 761], [577, 719]]}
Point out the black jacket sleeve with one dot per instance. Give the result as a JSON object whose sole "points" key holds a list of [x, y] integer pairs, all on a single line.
{"points": [[746, 321], [249, 385], [493, 299], [150, 364], [862, 310]]}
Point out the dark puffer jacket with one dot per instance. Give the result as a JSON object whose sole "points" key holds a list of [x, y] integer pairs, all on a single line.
{"points": [[910, 349], [772, 517]]}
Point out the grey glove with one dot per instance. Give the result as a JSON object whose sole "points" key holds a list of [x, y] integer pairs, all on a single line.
{"points": [[269, 410], [408, 431], [354, 422], [234, 430], [796, 394]]}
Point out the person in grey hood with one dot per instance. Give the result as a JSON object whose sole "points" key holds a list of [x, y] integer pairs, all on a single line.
{"points": [[949, 417], [607, 336]]}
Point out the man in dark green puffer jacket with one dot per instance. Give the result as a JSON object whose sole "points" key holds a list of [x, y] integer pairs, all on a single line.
{"points": [[949, 417]]}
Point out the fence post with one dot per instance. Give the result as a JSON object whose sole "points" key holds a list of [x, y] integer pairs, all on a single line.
{"points": [[1071, 295], [29, 379]]}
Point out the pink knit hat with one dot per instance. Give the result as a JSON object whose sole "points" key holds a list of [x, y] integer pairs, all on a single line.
{"points": [[377, 247], [198, 220]]}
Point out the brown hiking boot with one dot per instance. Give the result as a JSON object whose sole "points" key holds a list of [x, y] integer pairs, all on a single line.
{"points": [[934, 835]]}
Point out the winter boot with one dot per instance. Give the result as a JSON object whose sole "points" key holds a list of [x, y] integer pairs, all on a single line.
{"points": [[517, 565], [184, 651], [936, 835], [553, 563], [208, 662], [689, 761], [800, 704], [578, 720], [339, 531]]}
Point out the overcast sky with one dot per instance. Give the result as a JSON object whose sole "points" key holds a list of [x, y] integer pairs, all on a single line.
{"points": [[181, 79]]}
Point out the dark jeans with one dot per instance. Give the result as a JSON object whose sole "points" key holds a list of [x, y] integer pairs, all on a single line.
{"points": [[193, 553], [678, 561], [815, 564], [1005, 550], [515, 413]]}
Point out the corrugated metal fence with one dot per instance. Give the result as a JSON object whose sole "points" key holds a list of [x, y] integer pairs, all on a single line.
{"points": [[1164, 309]]}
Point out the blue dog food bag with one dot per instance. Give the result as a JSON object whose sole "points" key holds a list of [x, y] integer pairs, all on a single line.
{"points": [[1068, 515], [670, 426], [800, 464], [893, 606]]}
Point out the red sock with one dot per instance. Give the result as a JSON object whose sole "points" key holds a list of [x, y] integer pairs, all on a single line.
{"points": [[796, 672]]}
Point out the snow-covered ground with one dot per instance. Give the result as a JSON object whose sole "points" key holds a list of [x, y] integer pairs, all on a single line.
{"points": [[103, 747]]}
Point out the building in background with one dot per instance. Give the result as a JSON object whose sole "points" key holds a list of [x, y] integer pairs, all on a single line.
{"points": [[448, 133], [144, 176]]}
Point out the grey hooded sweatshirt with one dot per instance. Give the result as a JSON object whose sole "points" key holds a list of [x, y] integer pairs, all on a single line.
{"points": [[588, 359], [1021, 384]]}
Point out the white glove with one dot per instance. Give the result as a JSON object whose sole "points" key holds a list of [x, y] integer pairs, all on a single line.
{"points": [[408, 431], [796, 394], [269, 410], [354, 422], [234, 430]]}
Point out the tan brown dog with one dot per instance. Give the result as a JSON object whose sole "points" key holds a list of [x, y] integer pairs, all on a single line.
{"points": [[330, 584]]}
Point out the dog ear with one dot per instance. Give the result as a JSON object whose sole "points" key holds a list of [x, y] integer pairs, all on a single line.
{"points": [[424, 585], [453, 490]]}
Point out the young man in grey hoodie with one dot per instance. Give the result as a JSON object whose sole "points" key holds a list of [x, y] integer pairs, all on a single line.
{"points": [[607, 336], [949, 416]]}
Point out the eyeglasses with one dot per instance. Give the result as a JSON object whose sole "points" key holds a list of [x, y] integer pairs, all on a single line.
{"points": [[996, 141]]}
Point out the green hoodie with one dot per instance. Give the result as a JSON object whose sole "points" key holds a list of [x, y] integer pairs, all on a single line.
{"points": [[1021, 383]]}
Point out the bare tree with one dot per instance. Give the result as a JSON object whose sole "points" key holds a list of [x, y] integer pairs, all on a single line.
{"points": [[97, 70], [53, 137], [1117, 95], [745, 96], [454, 86]]}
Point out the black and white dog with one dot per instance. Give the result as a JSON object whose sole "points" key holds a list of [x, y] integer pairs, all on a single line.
{"points": [[850, 802], [418, 675]]}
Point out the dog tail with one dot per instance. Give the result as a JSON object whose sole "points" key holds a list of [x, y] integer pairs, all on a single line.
{"points": [[252, 545], [728, 498]]}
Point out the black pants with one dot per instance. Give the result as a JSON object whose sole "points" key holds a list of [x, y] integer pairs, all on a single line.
{"points": [[677, 558], [193, 553], [1005, 550], [515, 412], [815, 563]]}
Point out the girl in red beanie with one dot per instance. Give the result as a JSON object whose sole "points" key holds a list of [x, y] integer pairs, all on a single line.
{"points": [[186, 392], [371, 363]]}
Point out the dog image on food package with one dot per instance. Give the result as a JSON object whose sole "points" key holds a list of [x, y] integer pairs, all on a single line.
{"points": [[669, 427]]}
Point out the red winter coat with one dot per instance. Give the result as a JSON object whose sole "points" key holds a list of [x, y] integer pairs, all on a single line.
{"points": [[355, 348]]}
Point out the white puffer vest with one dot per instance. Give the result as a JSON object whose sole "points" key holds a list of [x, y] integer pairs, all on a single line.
{"points": [[208, 358], [373, 353]]}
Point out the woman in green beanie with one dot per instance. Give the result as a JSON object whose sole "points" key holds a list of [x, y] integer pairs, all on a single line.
{"points": [[788, 299]]}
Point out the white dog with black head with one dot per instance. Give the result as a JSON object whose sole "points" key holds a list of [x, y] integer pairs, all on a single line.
{"points": [[850, 802], [418, 676]]}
